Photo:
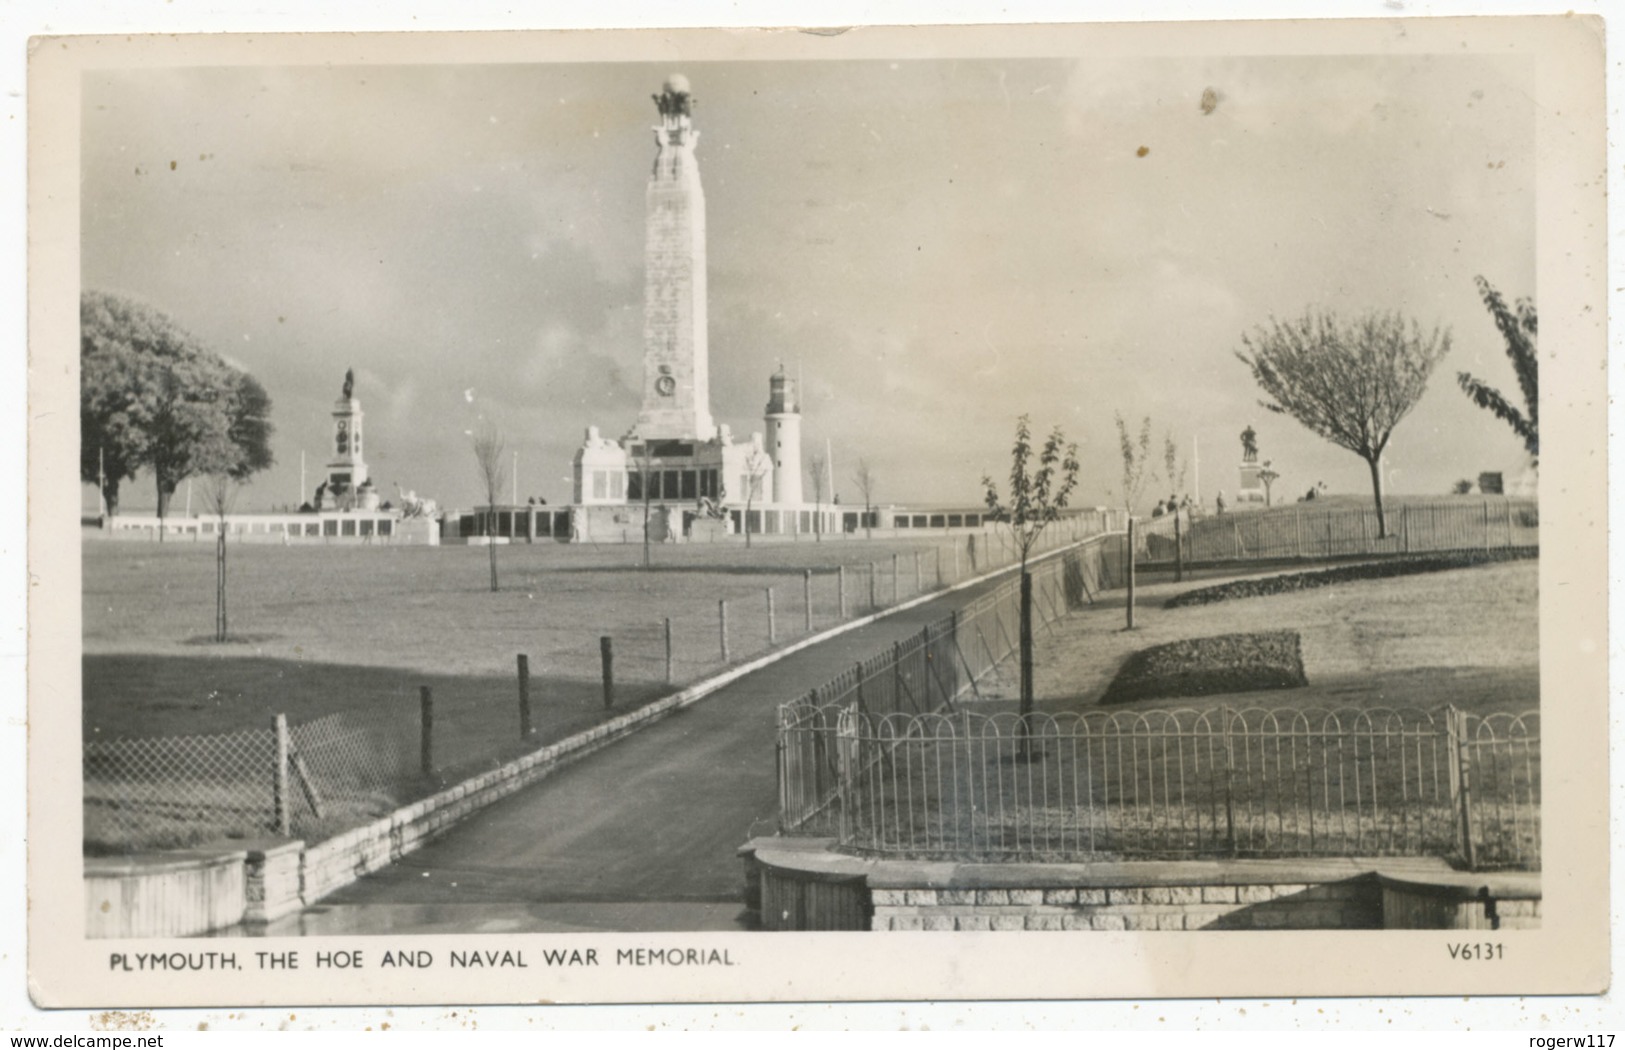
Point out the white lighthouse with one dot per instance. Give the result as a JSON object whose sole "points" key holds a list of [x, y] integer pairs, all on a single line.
{"points": [[783, 443]]}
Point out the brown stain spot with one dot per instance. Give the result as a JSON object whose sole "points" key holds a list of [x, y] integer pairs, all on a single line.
{"points": [[171, 165], [123, 1021], [1142, 151], [107, 906], [1210, 101]]}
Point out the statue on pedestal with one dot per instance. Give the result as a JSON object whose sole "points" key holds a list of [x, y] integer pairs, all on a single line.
{"points": [[349, 383], [1249, 445]]}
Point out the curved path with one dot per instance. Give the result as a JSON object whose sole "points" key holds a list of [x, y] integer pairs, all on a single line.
{"points": [[639, 836]]}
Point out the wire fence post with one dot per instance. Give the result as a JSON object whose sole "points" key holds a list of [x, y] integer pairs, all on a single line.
{"points": [[772, 623], [668, 651], [425, 730], [862, 704], [1229, 783], [840, 589], [722, 626], [281, 815], [1464, 778], [1297, 532], [524, 697], [1486, 524], [897, 676], [1179, 549], [874, 574], [895, 592], [919, 584], [1405, 527], [806, 596], [930, 672], [606, 651]]}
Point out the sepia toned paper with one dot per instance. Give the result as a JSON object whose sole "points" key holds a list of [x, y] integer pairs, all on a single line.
{"points": [[1558, 61]]}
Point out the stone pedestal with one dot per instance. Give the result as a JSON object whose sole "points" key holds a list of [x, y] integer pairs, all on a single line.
{"points": [[1252, 488]]}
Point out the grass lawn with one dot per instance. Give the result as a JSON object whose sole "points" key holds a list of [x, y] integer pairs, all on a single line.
{"points": [[1467, 637], [346, 628]]}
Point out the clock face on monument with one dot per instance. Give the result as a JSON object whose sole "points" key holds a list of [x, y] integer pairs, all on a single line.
{"points": [[343, 437], [665, 386]]}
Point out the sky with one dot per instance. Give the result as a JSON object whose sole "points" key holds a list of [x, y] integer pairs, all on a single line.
{"points": [[934, 246]]}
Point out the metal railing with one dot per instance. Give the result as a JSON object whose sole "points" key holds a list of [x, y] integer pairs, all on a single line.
{"points": [[928, 672], [180, 791], [1182, 783], [1309, 532]]}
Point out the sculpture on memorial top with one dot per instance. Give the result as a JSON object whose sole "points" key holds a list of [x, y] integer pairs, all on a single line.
{"points": [[674, 98], [1249, 445], [349, 383]]}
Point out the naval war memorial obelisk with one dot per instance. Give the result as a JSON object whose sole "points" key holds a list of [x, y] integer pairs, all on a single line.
{"points": [[676, 458]]}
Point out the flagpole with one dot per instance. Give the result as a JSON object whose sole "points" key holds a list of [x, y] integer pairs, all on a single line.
{"points": [[1196, 456]]}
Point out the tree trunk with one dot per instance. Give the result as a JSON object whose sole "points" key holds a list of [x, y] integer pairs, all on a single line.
{"points": [[746, 523], [166, 489], [491, 546], [220, 584], [1375, 463], [110, 496], [1026, 659]]}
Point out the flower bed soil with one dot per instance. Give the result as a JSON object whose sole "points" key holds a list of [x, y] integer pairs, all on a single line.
{"points": [[1371, 570], [1226, 663]]}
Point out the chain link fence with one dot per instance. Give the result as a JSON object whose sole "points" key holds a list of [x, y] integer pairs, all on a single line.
{"points": [[307, 779]]}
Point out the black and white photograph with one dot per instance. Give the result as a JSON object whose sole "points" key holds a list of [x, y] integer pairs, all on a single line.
{"points": [[617, 517]]}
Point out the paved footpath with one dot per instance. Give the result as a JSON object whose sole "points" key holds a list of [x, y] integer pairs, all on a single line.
{"points": [[639, 836]]}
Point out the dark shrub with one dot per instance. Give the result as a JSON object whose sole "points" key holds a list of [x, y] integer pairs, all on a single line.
{"points": [[1226, 663]]}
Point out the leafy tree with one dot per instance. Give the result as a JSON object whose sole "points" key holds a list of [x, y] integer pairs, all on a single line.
{"points": [[153, 397], [1351, 382], [1462, 487], [865, 479], [1136, 457], [1519, 329], [1037, 498], [490, 457]]}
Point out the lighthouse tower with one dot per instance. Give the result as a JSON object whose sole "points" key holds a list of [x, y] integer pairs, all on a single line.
{"points": [[783, 443]]}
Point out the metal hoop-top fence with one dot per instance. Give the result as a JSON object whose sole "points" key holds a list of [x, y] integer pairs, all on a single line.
{"points": [[1182, 783]]}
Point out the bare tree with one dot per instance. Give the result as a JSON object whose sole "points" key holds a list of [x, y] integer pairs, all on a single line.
{"points": [[646, 483], [755, 470], [819, 465], [1036, 499], [1519, 328], [1351, 382], [490, 455], [864, 478], [1175, 467], [1136, 458], [1269, 477]]}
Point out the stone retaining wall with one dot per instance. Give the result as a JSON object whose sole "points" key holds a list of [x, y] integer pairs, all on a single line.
{"points": [[804, 884], [1355, 904]]}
